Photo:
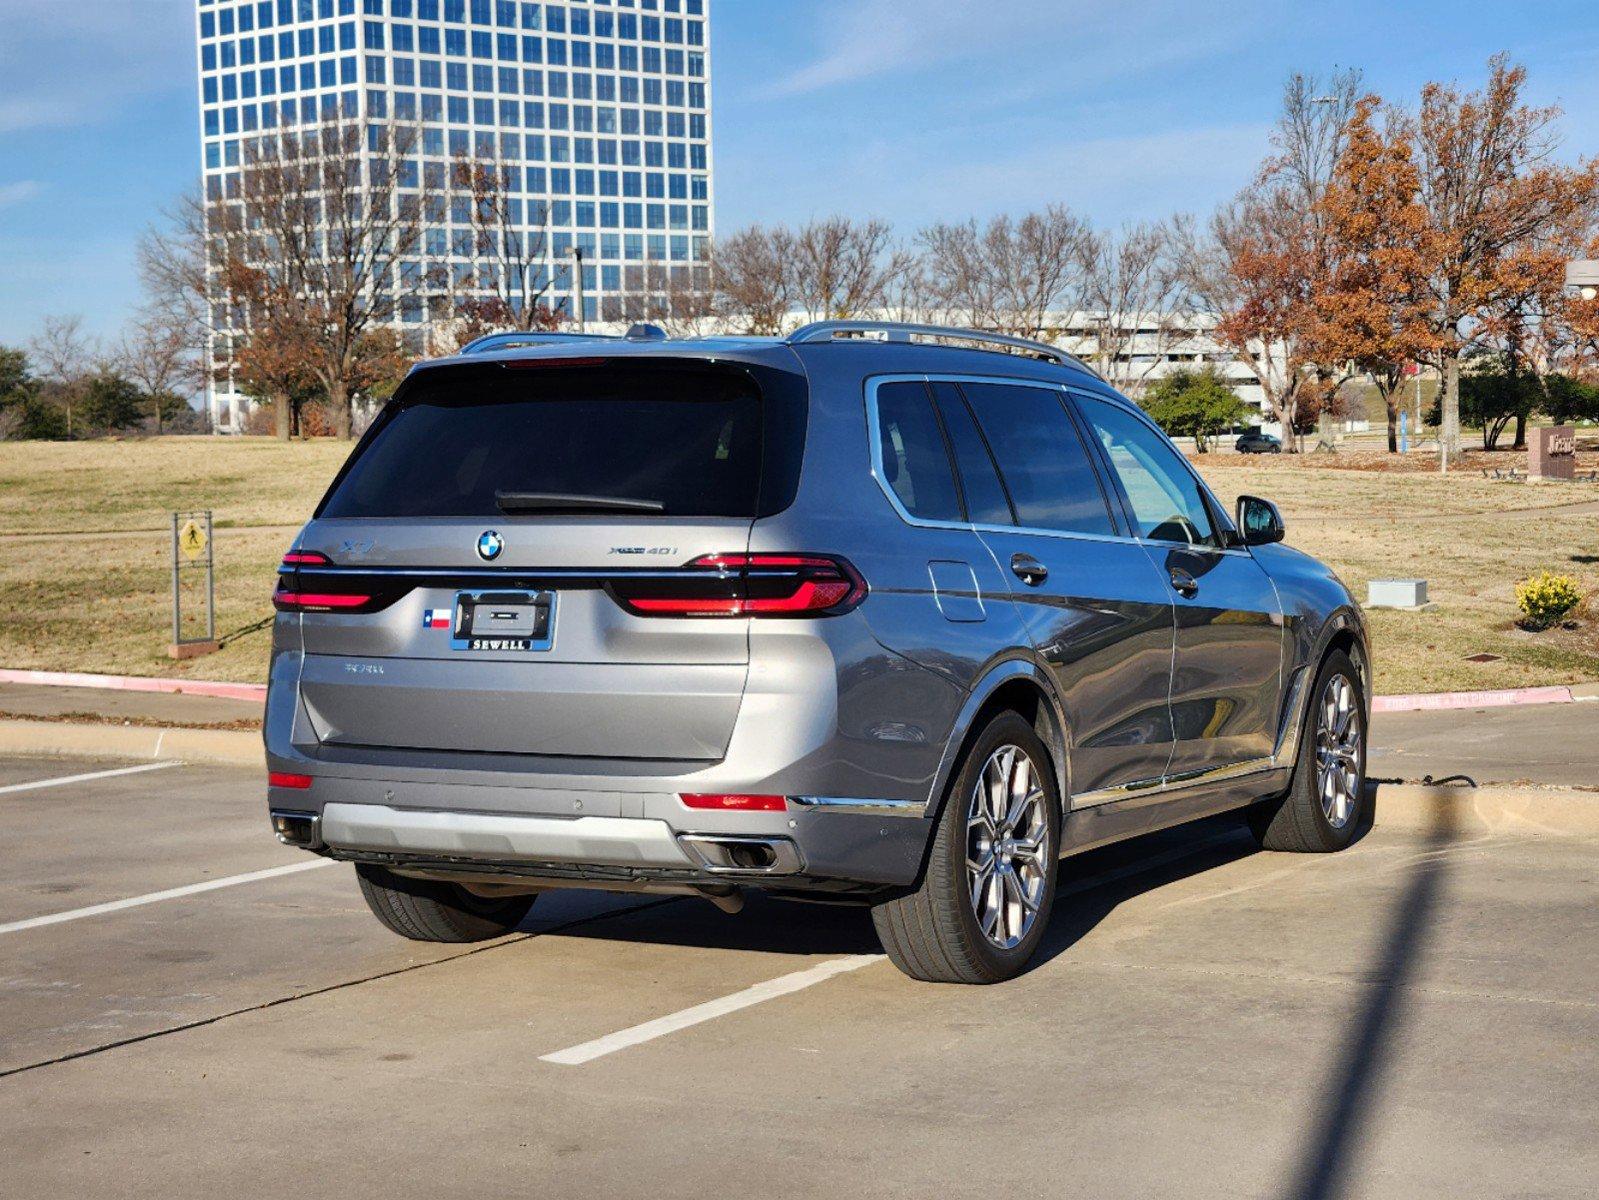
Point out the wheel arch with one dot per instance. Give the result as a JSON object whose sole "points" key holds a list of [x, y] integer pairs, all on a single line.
{"points": [[1013, 685]]}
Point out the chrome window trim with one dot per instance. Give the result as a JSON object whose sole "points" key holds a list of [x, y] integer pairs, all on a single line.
{"points": [[875, 434], [1077, 391], [862, 806]]}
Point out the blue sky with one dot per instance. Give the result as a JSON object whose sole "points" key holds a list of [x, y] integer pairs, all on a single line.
{"points": [[912, 110]]}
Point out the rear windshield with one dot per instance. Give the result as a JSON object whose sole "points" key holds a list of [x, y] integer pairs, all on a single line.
{"points": [[687, 440]]}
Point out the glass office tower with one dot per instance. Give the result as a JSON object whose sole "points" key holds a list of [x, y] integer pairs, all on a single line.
{"points": [[598, 111]]}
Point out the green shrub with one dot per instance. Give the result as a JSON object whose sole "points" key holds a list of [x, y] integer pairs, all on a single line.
{"points": [[1546, 598]]}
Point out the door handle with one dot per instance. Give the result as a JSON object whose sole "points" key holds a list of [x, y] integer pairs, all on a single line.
{"points": [[1184, 584], [1028, 569]]}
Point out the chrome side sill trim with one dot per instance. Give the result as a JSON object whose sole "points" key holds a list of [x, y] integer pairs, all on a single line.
{"points": [[866, 807], [1173, 783]]}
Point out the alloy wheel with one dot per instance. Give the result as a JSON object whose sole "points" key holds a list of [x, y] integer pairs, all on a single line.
{"points": [[1338, 746], [1007, 851]]}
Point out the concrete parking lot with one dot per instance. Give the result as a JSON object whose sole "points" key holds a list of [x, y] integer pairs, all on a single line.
{"points": [[206, 1013]]}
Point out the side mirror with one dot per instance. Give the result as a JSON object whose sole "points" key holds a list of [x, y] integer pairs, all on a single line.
{"points": [[1259, 521]]}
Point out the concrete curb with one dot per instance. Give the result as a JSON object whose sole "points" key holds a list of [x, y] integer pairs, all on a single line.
{"points": [[1496, 698], [136, 683], [1452, 811], [221, 747]]}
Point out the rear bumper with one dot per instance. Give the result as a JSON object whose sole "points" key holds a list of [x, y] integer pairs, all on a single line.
{"points": [[577, 838]]}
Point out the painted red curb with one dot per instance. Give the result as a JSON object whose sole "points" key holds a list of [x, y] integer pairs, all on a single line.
{"points": [[137, 683], [1503, 698]]}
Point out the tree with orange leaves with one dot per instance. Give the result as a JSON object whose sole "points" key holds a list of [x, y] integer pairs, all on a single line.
{"points": [[1374, 309], [1263, 259], [1491, 195]]}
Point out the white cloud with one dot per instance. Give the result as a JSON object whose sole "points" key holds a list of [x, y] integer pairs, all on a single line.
{"points": [[1074, 40], [20, 190], [875, 37], [36, 113]]}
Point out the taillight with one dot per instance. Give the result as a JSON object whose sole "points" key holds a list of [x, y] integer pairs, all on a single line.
{"points": [[735, 802], [297, 593], [289, 601], [748, 585]]}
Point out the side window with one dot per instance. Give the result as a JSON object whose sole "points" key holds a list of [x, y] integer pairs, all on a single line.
{"points": [[1164, 496], [1042, 460], [915, 460], [985, 495]]}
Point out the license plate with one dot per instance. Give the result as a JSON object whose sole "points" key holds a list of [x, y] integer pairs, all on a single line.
{"points": [[514, 621]]}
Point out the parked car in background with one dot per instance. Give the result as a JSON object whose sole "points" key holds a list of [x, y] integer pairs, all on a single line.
{"points": [[1253, 441], [875, 613]]}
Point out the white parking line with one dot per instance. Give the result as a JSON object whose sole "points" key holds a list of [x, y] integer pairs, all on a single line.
{"points": [[62, 780], [94, 910], [784, 985], [759, 993]]}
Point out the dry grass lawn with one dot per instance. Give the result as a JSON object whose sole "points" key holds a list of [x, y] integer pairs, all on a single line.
{"points": [[76, 601], [1470, 538]]}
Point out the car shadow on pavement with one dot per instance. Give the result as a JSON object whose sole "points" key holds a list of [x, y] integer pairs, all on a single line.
{"points": [[800, 928], [1349, 1096]]}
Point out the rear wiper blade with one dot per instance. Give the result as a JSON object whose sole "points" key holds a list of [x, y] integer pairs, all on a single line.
{"points": [[561, 502]]}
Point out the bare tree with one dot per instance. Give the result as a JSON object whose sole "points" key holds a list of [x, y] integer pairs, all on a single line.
{"points": [[1134, 304], [754, 277], [691, 306], [508, 246], [158, 353], [911, 296], [844, 268], [1011, 274], [67, 358], [324, 219]]}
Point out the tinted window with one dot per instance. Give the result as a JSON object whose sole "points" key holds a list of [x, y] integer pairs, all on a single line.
{"points": [[688, 439], [985, 495], [915, 461], [1161, 491], [1044, 463]]}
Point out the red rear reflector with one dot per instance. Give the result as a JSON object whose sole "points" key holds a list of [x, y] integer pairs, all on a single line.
{"points": [[285, 779], [739, 802], [317, 601]]}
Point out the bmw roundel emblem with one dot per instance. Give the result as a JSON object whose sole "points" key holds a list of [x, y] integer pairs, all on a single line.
{"points": [[490, 545]]}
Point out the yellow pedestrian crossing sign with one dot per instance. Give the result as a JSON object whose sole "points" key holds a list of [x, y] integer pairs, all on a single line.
{"points": [[192, 539]]}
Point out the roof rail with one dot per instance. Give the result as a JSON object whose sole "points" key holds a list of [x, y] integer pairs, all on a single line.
{"points": [[901, 331], [535, 337]]}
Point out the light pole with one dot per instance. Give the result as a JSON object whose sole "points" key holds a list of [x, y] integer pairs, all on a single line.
{"points": [[577, 286]]}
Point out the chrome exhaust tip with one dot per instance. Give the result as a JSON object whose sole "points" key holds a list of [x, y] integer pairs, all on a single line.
{"points": [[734, 854], [301, 830]]}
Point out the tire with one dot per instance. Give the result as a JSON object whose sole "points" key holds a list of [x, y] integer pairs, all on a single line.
{"points": [[1299, 820], [427, 910], [935, 933]]}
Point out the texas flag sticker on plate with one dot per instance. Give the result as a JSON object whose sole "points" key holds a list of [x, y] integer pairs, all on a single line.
{"points": [[438, 618]]}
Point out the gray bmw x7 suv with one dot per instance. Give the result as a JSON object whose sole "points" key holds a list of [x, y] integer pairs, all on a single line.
{"points": [[891, 614]]}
